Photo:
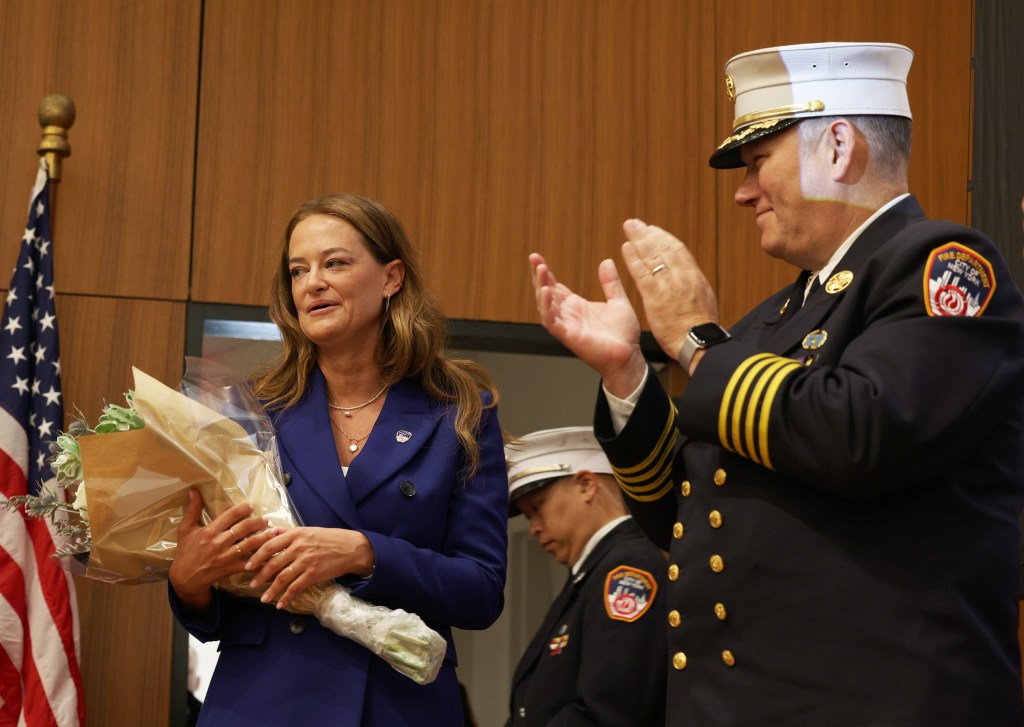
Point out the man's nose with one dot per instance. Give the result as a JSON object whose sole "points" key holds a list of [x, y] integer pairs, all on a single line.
{"points": [[748, 191]]}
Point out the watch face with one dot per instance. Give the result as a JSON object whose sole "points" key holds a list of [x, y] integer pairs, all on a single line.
{"points": [[708, 334]]}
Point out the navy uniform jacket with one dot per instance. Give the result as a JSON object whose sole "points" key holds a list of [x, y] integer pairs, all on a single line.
{"points": [[586, 667], [839, 490], [441, 553]]}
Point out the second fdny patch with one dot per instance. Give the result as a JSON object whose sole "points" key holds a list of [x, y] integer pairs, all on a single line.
{"points": [[628, 593]]}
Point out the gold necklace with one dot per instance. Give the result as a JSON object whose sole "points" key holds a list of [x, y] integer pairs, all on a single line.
{"points": [[347, 410], [353, 443]]}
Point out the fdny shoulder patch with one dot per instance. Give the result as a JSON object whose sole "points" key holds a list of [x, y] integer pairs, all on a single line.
{"points": [[957, 281], [628, 593]]}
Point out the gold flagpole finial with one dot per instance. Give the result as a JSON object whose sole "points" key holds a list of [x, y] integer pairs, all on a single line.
{"points": [[56, 115]]}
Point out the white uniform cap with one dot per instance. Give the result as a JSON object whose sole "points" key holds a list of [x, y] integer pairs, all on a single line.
{"points": [[776, 87], [540, 457]]}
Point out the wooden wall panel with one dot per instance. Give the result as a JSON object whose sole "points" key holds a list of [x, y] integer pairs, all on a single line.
{"points": [[492, 129], [125, 205], [940, 34], [125, 630]]}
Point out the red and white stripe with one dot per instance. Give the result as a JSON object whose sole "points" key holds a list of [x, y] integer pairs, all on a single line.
{"points": [[40, 680]]}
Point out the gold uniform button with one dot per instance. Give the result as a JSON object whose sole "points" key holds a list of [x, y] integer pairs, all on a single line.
{"points": [[720, 477], [677, 531], [720, 612], [673, 572], [685, 488], [715, 518], [717, 564], [674, 619], [728, 658], [679, 661]]}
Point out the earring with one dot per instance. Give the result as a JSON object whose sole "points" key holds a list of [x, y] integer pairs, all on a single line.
{"points": [[387, 304]]}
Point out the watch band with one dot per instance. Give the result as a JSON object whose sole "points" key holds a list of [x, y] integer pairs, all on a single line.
{"points": [[698, 338]]}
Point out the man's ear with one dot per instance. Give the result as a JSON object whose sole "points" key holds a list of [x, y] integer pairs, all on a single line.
{"points": [[587, 484], [845, 148]]}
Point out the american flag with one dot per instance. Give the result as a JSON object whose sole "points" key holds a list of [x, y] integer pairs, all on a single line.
{"points": [[40, 681]]}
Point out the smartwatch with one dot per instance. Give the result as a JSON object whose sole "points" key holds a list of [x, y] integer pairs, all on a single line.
{"points": [[700, 337]]}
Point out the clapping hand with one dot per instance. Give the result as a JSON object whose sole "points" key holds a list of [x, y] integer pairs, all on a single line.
{"points": [[604, 335]]}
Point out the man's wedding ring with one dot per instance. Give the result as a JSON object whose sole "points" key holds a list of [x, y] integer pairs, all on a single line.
{"points": [[658, 268], [232, 531]]}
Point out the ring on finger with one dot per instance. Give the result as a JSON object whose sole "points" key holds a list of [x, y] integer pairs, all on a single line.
{"points": [[658, 268], [231, 530], [290, 570], [240, 553]]}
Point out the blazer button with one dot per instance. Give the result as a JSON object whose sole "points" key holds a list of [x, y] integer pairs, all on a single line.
{"points": [[715, 518], [673, 572], [407, 488], [684, 488], [728, 658], [720, 477], [720, 613], [679, 661], [297, 625], [674, 619], [717, 564], [287, 476], [677, 531]]}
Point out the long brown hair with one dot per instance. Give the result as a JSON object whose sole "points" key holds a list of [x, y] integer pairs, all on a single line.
{"points": [[413, 330]]}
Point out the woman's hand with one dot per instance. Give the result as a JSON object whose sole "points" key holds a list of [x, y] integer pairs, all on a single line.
{"points": [[299, 557], [208, 553]]}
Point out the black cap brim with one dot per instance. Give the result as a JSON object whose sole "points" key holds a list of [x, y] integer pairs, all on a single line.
{"points": [[527, 488], [727, 156]]}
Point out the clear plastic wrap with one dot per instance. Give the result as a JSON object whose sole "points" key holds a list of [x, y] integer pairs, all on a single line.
{"points": [[214, 437]]}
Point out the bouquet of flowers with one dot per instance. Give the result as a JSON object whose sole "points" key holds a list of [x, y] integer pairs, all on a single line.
{"points": [[131, 485]]}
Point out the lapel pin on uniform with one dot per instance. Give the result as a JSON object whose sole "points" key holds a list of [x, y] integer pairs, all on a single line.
{"points": [[839, 282], [402, 436]]}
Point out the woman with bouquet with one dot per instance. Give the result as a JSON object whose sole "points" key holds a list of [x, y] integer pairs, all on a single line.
{"points": [[396, 466]]}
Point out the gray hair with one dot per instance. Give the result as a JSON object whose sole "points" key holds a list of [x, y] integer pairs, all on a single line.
{"points": [[888, 137]]}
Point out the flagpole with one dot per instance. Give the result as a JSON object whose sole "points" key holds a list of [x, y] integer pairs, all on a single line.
{"points": [[39, 655], [56, 116]]}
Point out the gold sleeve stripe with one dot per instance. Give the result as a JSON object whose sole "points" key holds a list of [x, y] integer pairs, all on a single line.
{"points": [[652, 497], [727, 397], [766, 407], [655, 478], [743, 395], [655, 483], [651, 479], [664, 461], [744, 414], [666, 440], [758, 448]]}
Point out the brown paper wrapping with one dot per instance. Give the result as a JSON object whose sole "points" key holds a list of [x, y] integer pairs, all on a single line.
{"points": [[137, 482]]}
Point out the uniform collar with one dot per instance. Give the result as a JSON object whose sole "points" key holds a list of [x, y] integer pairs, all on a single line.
{"points": [[594, 540], [823, 274]]}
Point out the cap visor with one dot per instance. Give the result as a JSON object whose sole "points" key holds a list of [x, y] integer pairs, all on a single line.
{"points": [[727, 156]]}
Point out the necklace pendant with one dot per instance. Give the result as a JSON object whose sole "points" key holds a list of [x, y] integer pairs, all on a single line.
{"points": [[353, 447], [348, 414]]}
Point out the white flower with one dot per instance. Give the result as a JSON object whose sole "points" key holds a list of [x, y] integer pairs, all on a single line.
{"points": [[80, 503]]}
